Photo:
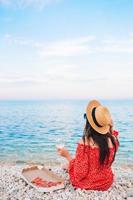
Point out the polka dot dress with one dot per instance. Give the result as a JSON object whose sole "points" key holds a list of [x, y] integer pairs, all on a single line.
{"points": [[86, 172]]}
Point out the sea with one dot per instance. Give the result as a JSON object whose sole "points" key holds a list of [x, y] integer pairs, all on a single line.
{"points": [[30, 130]]}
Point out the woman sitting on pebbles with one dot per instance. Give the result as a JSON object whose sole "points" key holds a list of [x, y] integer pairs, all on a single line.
{"points": [[91, 167]]}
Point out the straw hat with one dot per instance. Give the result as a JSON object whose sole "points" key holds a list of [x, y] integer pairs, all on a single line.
{"points": [[99, 117]]}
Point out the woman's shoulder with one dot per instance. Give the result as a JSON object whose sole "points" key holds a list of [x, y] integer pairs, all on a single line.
{"points": [[88, 143], [84, 142], [81, 141]]}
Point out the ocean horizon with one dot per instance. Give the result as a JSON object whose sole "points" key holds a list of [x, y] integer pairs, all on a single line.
{"points": [[30, 129]]}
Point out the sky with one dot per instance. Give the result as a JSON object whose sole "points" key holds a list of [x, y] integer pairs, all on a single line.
{"points": [[66, 49]]}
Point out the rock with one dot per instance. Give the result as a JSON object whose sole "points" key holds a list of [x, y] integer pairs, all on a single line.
{"points": [[129, 198], [130, 193], [14, 188]]}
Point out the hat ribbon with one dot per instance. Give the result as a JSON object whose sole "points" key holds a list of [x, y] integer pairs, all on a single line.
{"points": [[94, 117]]}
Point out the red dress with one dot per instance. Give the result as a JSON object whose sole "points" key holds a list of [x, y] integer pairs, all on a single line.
{"points": [[86, 172]]}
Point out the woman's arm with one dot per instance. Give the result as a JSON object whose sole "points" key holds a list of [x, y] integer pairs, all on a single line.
{"points": [[64, 153], [79, 166]]}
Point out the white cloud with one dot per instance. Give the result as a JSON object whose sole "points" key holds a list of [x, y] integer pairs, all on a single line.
{"points": [[131, 34], [18, 82], [58, 75], [84, 46], [116, 49], [73, 47], [67, 69], [18, 40], [117, 46], [80, 46], [7, 36]]}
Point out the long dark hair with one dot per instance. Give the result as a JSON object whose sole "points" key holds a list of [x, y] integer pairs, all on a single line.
{"points": [[100, 140]]}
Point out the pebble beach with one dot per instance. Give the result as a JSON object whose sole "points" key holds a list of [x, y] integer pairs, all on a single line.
{"points": [[13, 187]]}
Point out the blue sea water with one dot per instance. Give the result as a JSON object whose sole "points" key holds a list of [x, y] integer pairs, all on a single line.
{"points": [[29, 130]]}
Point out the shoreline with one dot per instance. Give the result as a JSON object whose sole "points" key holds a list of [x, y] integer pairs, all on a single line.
{"points": [[13, 187]]}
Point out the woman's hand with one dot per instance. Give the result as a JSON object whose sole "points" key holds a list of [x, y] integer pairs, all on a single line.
{"points": [[64, 153]]}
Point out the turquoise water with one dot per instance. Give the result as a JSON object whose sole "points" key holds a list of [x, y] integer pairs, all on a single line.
{"points": [[29, 130]]}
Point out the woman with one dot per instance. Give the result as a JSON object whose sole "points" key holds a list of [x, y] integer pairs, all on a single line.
{"points": [[91, 167]]}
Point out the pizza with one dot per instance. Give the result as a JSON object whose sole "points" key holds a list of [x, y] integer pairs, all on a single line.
{"points": [[43, 183]]}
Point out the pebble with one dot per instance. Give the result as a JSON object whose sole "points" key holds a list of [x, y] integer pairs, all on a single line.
{"points": [[16, 189], [130, 198]]}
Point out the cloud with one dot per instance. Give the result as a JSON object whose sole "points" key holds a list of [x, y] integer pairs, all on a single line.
{"points": [[19, 40], [12, 81], [66, 47], [80, 46], [28, 3], [117, 46], [73, 47], [59, 75], [86, 45], [22, 41]]}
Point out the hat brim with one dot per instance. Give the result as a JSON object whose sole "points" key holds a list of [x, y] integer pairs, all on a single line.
{"points": [[94, 104]]}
